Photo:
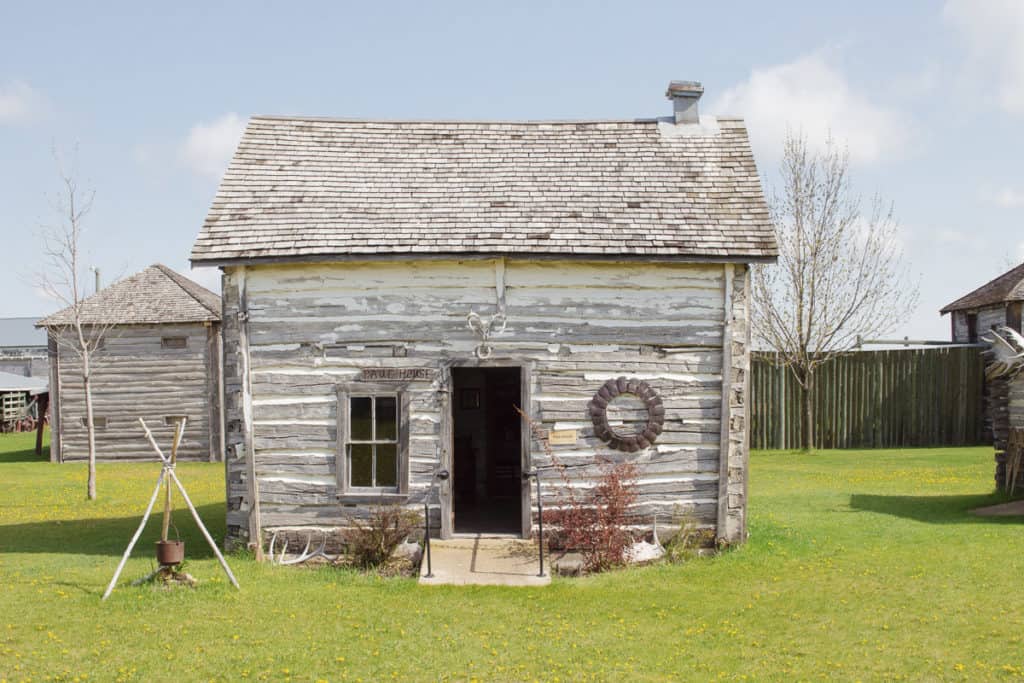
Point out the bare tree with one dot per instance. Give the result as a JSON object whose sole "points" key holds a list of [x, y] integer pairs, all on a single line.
{"points": [[840, 274], [62, 281]]}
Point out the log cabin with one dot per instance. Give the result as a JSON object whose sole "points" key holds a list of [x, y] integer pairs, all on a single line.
{"points": [[395, 290], [996, 303], [158, 358]]}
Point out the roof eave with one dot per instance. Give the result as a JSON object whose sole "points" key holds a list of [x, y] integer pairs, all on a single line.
{"points": [[397, 256]]}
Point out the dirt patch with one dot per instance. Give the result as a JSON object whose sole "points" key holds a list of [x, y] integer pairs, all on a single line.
{"points": [[1012, 509]]}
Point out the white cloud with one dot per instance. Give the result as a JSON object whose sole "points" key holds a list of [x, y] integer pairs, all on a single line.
{"points": [[994, 30], [811, 96], [209, 145], [1005, 197], [19, 103]]}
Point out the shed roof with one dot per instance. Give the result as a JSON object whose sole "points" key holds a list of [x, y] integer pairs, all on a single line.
{"points": [[21, 333], [1007, 287], [152, 296], [9, 382], [310, 187]]}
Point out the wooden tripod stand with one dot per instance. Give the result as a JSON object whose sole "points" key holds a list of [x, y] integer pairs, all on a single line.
{"points": [[167, 471]]}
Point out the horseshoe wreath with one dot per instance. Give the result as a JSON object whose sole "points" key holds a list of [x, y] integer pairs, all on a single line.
{"points": [[629, 443]]}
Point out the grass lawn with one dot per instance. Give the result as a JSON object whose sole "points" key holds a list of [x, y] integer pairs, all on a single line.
{"points": [[861, 565]]}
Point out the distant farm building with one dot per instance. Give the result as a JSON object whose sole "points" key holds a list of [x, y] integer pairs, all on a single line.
{"points": [[395, 291], [23, 348], [159, 359], [22, 402]]}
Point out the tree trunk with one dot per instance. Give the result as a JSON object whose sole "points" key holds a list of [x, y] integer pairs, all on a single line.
{"points": [[90, 428], [808, 411]]}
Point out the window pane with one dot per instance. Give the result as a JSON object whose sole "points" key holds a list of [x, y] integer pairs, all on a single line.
{"points": [[360, 465], [361, 423], [387, 465], [387, 418]]}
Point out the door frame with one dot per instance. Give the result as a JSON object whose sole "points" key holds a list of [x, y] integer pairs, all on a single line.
{"points": [[448, 439]]}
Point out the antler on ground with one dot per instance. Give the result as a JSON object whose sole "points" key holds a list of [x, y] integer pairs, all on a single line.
{"points": [[305, 555]]}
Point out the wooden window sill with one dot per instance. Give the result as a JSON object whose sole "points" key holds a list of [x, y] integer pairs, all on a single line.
{"points": [[370, 498]]}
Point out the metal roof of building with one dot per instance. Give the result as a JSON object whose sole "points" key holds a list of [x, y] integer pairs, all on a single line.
{"points": [[10, 382], [21, 333]]}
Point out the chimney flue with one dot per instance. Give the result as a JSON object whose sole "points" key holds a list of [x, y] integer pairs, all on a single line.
{"points": [[684, 96]]}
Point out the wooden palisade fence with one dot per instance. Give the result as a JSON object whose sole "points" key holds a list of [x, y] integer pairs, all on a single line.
{"points": [[873, 399]]}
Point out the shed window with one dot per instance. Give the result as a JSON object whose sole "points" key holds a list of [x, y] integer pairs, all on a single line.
{"points": [[1013, 315], [173, 342], [97, 422], [173, 420], [373, 441], [972, 328]]}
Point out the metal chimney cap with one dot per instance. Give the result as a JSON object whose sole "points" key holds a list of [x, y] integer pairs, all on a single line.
{"points": [[684, 89]]}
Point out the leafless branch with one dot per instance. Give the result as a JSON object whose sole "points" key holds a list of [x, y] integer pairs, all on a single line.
{"points": [[61, 280], [840, 273]]}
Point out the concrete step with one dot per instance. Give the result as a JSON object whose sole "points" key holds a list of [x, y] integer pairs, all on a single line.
{"points": [[484, 561]]}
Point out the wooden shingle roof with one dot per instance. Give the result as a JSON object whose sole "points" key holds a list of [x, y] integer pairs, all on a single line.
{"points": [[310, 187], [152, 296], [1007, 287]]}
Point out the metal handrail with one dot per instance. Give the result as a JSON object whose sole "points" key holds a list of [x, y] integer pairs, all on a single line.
{"points": [[440, 476], [535, 475]]}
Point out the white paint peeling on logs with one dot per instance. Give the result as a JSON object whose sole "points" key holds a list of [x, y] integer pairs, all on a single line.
{"points": [[295, 452], [593, 348], [293, 400], [577, 323], [605, 376], [276, 347], [326, 482], [350, 371]]}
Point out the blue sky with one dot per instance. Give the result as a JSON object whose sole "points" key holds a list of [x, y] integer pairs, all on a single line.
{"points": [[929, 97]]}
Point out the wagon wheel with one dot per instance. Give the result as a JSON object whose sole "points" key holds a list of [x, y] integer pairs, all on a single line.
{"points": [[630, 443]]}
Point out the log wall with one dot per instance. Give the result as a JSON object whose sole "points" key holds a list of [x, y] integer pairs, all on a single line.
{"points": [[133, 377], [989, 318], [293, 333]]}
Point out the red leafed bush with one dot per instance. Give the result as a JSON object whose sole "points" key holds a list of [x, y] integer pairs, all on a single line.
{"points": [[596, 524]]}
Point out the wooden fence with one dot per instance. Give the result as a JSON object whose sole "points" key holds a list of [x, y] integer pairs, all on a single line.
{"points": [[873, 399]]}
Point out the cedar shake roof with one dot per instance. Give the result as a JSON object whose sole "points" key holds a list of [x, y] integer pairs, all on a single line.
{"points": [[153, 296], [309, 187], [1007, 287]]}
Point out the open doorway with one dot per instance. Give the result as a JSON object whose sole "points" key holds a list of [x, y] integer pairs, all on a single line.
{"points": [[487, 465]]}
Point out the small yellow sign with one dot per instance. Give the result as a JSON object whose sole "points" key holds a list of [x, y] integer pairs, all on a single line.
{"points": [[562, 437]]}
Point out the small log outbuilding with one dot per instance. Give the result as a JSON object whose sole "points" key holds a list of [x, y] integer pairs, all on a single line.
{"points": [[394, 290], [996, 303], [159, 359]]}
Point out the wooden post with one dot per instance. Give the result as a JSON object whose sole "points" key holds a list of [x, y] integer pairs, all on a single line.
{"points": [[43, 406], [179, 429], [723, 454], [255, 524]]}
